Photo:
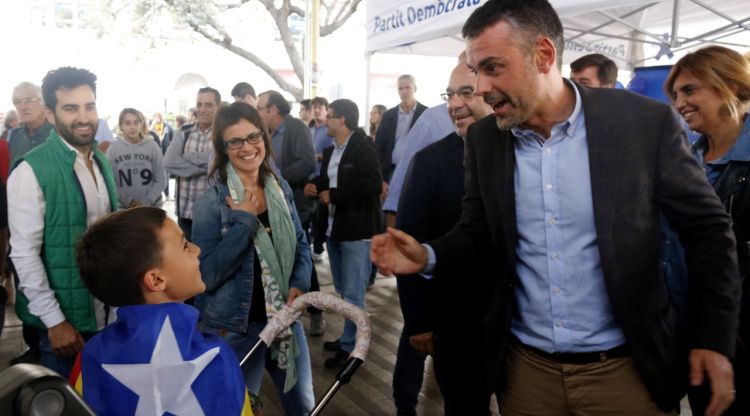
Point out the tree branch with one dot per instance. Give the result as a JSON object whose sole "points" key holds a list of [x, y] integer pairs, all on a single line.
{"points": [[296, 10], [350, 7], [225, 7], [280, 17], [286, 86]]}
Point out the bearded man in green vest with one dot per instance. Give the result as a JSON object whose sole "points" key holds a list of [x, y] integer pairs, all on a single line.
{"points": [[54, 193]]}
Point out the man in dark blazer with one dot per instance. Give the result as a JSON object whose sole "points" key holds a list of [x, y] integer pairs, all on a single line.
{"points": [[349, 185], [430, 205], [578, 308], [396, 122], [294, 155]]}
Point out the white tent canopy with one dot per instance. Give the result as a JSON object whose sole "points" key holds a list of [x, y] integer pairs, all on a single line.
{"points": [[617, 28]]}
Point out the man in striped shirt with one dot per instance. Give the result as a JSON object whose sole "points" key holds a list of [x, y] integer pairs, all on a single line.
{"points": [[188, 156]]}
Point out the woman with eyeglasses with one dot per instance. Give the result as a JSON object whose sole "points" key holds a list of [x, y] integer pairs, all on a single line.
{"points": [[254, 256], [710, 89]]}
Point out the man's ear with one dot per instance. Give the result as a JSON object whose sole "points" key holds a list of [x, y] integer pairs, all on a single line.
{"points": [[153, 282], [545, 54]]}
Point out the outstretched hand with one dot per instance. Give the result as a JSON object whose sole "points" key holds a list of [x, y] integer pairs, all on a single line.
{"points": [[397, 252], [720, 375]]}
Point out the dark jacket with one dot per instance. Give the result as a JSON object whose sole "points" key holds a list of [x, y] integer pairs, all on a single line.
{"points": [[429, 207], [356, 197], [386, 138], [640, 166], [297, 159]]}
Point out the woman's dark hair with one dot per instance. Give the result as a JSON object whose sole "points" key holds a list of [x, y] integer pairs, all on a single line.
{"points": [[374, 127], [228, 116], [114, 254]]}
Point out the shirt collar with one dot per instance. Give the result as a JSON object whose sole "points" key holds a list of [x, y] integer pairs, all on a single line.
{"points": [[78, 152], [401, 110], [202, 131], [568, 127], [739, 152], [343, 146], [281, 128]]}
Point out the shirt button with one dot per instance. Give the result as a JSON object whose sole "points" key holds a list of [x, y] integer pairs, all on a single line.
{"points": [[548, 151], [557, 290], [548, 186], [555, 255], [552, 221], [559, 324]]}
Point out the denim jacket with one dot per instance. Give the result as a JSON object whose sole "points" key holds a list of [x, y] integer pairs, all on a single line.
{"points": [[227, 258]]}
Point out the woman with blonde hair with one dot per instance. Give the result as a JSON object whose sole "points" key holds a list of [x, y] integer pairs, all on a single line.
{"points": [[710, 89]]}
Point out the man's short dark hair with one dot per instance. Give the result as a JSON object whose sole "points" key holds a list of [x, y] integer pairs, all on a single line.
{"points": [[116, 252], [606, 69], [243, 89], [206, 90], [531, 17], [306, 104], [66, 77], [277, 100], [319, 101], [348, 110]]}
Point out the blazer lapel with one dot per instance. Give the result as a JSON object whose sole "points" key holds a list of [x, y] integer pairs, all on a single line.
{"points": [[504, 203], [602, 143], [456, 151]]}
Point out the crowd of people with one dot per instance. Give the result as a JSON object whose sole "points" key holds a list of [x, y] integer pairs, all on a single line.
{"points": [[595, 260]]}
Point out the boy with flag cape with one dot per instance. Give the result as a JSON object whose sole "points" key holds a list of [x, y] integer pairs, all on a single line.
{"points": [[153, 359]]}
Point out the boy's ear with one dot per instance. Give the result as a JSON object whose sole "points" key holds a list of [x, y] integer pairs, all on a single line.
{"points": [[153, 282]]}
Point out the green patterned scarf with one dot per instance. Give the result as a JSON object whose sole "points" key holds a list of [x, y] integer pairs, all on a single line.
{"points": [[277, 261]]}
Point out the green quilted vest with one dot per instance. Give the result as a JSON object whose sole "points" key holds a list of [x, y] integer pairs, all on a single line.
{"points": [[64, 222]]}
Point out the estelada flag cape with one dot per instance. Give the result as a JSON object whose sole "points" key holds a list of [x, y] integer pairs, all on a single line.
{"points": [[153, 360]]}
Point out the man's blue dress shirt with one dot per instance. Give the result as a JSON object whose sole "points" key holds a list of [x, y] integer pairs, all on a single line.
{"points": [[434, 124], [321, 140], [562, 300]]}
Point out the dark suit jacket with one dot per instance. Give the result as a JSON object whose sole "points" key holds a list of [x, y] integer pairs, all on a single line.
{"points": [[429, 207], [640, 165], [298, 160], [357, 192], [450, 304], [385, 139]]}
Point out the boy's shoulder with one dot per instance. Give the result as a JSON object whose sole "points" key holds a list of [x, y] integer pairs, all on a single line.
{"points": [[157, 353]]}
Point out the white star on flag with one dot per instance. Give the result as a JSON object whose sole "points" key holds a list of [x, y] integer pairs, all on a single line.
{"points": [[163, 385]]}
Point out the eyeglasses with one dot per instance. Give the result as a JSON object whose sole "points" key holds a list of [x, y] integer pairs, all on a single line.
{"points": [[464, 93], [26, 101], [237, 143], [329, 116]]}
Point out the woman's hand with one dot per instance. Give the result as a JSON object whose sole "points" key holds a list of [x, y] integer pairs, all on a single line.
{"points": [[250, 203], [294, 293]]}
